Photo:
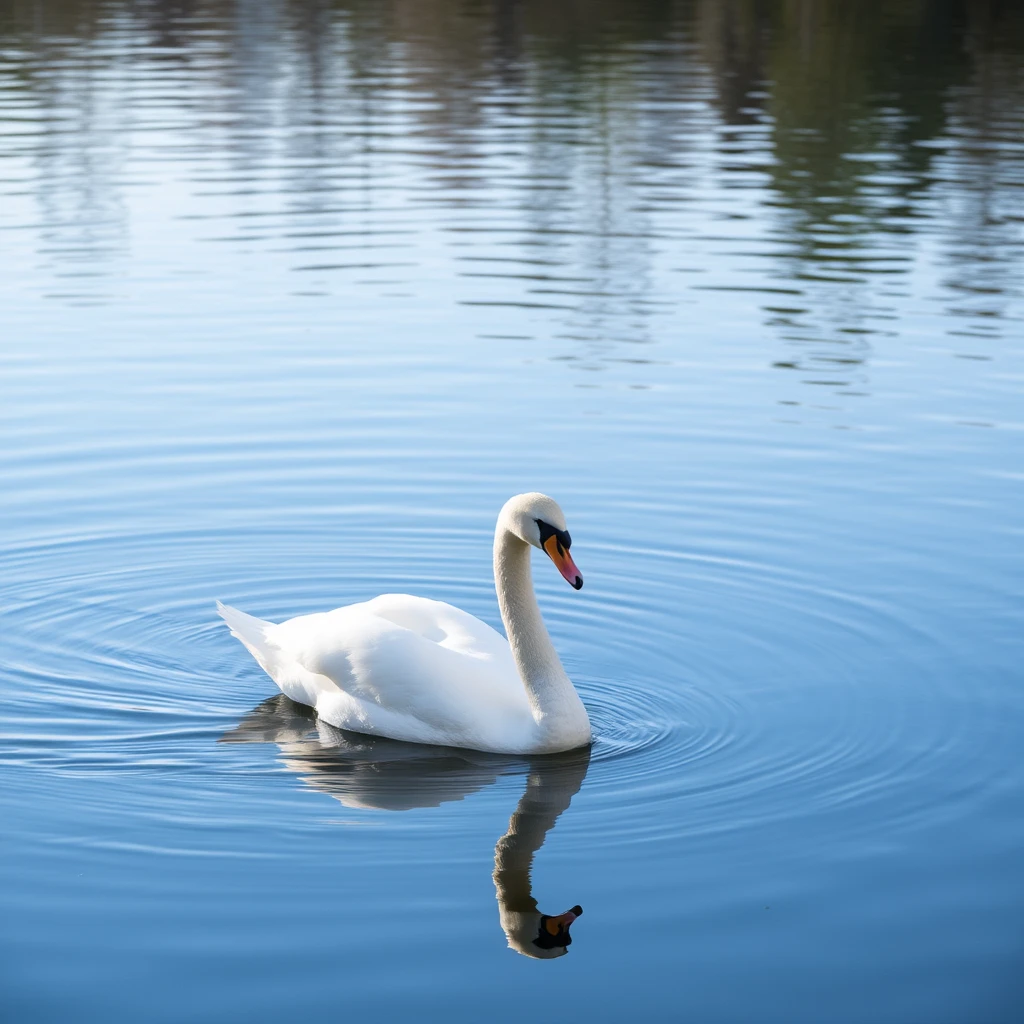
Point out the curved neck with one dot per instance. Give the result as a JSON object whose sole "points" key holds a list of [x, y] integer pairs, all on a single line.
{"points": [[556, 706]]}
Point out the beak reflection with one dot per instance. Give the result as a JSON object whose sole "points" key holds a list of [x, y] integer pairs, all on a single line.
{"points": [[554, 931], [553, 925]]}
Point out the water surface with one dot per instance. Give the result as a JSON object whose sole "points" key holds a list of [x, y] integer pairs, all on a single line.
{"points": [[295, 295]]}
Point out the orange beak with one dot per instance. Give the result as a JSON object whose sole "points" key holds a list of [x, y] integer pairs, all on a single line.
{"points": [[563, 560]]}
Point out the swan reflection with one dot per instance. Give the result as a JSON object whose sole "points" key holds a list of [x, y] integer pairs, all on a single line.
{"points": [[372, 772]]}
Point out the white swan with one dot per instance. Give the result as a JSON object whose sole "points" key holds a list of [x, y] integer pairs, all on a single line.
{"points": [[424, 671]]}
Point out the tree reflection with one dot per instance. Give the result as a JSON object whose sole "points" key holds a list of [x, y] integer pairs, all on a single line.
{"points": [[568, 145]]}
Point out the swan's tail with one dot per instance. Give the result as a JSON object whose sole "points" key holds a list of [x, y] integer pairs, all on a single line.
{"points": [[253, 633]]}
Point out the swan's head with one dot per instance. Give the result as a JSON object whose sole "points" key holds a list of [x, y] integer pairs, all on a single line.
{"points": [[541, 936], [536, 519]]}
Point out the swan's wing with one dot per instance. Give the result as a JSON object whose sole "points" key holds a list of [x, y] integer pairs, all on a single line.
{"points": [[410, 668], [442, 623]]}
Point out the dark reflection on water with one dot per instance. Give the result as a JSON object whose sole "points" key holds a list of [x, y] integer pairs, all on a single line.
{"points": [[587, 172], [370, 772]]}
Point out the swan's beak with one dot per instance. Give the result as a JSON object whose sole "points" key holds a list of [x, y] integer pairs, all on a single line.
{"points": [[566, 566]]}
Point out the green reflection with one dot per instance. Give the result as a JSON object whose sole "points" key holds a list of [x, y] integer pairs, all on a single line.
{"points": [[808, 149]]}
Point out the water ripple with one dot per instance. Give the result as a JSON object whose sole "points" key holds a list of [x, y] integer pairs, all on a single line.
{"points": [[728, 719]]}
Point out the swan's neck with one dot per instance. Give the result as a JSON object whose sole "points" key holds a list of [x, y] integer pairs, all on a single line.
{"points": [[557, 708]]}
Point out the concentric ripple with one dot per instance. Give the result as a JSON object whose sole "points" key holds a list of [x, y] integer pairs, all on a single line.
{"points": [[721, 725]]}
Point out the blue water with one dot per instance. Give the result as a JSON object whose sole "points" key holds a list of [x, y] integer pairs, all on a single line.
{"points": [[294, 296]]}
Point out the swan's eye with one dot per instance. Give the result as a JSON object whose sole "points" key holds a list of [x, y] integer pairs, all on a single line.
{"points": [[547, 531]]}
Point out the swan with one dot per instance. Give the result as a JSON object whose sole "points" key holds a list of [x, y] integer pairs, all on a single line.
{"points": [[423, 671]]}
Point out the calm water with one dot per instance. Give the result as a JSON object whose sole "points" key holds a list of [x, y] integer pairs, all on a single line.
{"points": [[295, 295]]}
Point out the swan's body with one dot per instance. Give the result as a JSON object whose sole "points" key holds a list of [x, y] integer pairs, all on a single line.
{"points": [[398, 666], [424, 671]]}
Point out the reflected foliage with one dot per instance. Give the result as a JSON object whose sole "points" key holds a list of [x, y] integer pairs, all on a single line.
{"points": [[577, 133]]}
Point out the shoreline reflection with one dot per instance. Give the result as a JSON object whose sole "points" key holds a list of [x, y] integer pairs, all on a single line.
{"points": [[368, 772], [596, 184]]}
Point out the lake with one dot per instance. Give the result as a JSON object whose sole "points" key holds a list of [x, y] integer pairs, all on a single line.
{"points": [[295, 295]]}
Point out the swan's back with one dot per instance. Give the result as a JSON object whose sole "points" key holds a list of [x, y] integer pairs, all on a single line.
{"points": [[400, 666]]}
